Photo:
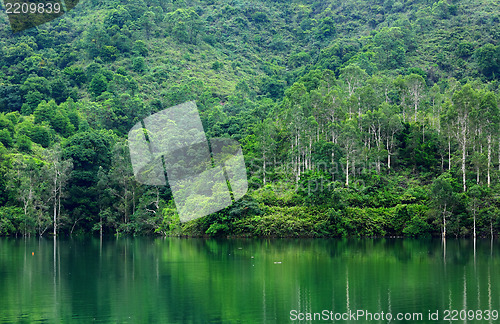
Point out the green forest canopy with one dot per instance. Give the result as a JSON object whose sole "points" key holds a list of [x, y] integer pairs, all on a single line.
{"points": [[357, 118]]}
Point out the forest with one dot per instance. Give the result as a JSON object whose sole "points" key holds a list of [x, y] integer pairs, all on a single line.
{"points": [[356, 118]]}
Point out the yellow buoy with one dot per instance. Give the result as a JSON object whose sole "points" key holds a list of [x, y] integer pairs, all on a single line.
{"points": [[32, 253]]}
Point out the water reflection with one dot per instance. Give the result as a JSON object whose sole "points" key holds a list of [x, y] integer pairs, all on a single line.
{"points": [[199, 280]]}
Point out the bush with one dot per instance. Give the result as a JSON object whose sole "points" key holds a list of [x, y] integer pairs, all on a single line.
{"points": [[24, 143], [138, 64], [5, 138], [40, 135], [259, 17], [10, 218], [98, 85]]}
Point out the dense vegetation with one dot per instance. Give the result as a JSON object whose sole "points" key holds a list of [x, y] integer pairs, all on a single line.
{"points": [[369, 118]]}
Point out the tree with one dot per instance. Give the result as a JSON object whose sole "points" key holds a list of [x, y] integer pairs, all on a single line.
{"points": [[184, 24], [436, 100], [96, 38], [5, 138], [44, 111], [59, 90], [24, 143], [75, 75], [295, 120], [138, 64], [121, 182], [171, 224], [27, 181], [489, 113], [326, 28], [40, 135], [354, 77], [108, 53], [89, 151], [98, 85], [391, 126], [16, 53], [140, 48], [443, 197], [464, 101], [374, 123], [58, 171], [266, 143], [10, 98], [415, 86], [476, 194], [390, 47], [441, 9], [119, 16], [488, 59], [147, 22], [349, 141], [38, 84]]}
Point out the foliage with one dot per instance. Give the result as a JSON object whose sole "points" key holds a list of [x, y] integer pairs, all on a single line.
{"points": [[362, 118]]}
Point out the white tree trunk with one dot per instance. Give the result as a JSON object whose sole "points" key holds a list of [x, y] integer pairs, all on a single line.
{"points": [[463, 156], [347, 172], [474, 220], [489, 159], [264, 168], [55, 200], [449, 153]]}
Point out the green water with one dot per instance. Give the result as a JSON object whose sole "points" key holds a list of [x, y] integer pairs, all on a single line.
{"points": [[147, 280]]}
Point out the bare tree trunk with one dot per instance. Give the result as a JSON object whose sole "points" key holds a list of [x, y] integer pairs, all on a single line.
{"points": [[489, 159], [379, 145], [359, 110], [264, 168], [55, 201], [449, 153], [463, 157], [416, 106], [347, 172], [59, 200], [333, 161], [388, 154], [310, 153], [74, 224], [55, 216]]}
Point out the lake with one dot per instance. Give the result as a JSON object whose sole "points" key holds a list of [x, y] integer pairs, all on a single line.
{"points": [[174, 280]]}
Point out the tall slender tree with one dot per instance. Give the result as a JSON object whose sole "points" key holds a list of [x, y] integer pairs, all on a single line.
{"points": [[464, 102]]}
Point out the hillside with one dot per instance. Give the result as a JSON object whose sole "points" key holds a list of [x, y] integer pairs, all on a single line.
{"points": [[357, 118]]}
